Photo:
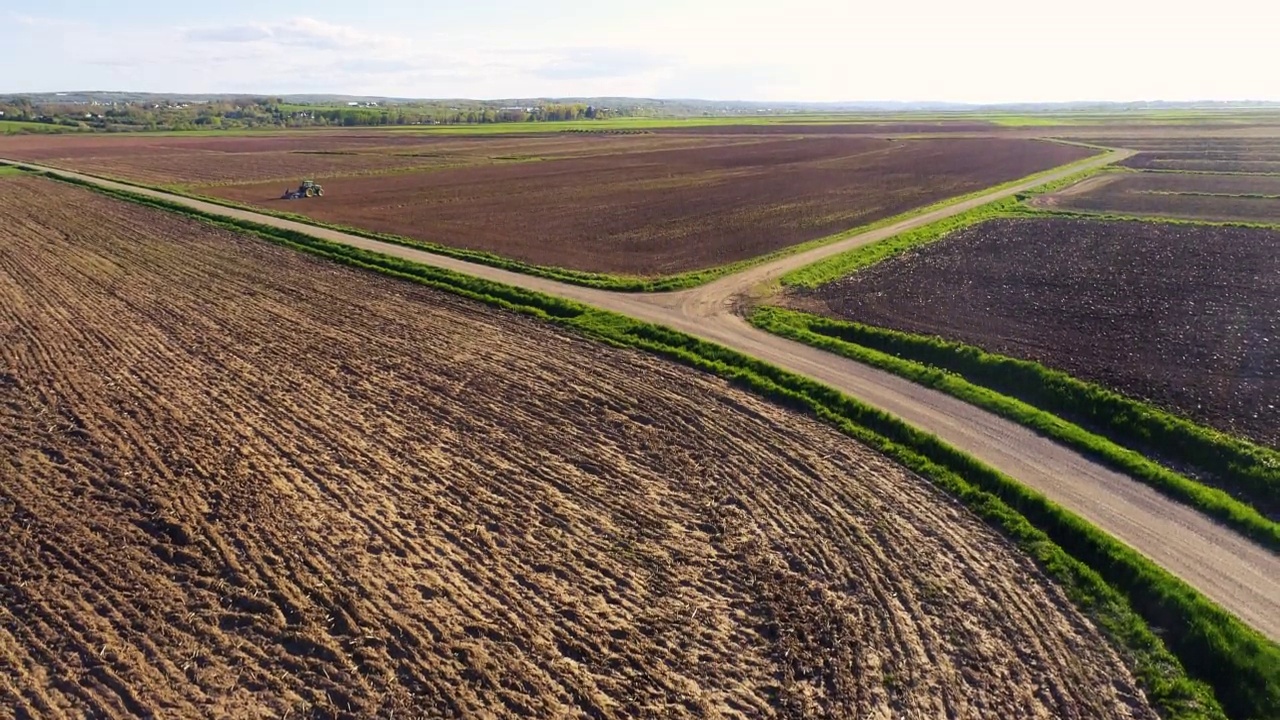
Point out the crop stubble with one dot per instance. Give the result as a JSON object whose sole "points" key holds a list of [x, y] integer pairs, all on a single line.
{"points": [[241, 480], [666, 211], [1185, 316]]}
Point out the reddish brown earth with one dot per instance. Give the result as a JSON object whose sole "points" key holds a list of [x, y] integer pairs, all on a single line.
{"points": [[662, 212], [1248, 198], [857, 128], [178, 160], [239, 481], [1186, 316], [44, 147]]}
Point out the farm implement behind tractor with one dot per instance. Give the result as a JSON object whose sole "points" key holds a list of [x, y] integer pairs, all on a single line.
{"points": [[308, 188]]}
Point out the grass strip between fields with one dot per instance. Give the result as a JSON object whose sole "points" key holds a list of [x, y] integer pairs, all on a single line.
{"points": [[602, 281], [837, 266], [1051, 402], [1167, 631], [1105, 216]]}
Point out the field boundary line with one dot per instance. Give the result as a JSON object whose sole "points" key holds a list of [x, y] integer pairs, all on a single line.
{"points": [[837, 266], [1103, 216]]}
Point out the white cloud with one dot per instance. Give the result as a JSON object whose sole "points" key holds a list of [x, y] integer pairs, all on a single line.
{"points": [[599, 62], [295, 32], [229, 33], [985, 51]]}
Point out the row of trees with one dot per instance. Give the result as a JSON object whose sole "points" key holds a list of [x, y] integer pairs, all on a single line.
{"points": [[263, 112]]}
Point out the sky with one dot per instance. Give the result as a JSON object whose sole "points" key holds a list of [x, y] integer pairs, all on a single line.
{"points": [[983, 51]]}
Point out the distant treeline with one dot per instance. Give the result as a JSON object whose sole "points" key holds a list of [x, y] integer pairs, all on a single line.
{"points": [[273, 112]]}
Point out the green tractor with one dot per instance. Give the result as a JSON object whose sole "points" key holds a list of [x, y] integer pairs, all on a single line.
{"points": [[308, 189]]}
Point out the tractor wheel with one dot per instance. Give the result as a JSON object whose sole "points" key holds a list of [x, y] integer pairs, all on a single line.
{"points": [[319, 192]]}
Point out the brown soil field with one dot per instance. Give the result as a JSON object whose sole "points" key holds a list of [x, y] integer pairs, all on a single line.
{"points": [[1222, 147], [857, 128], [240, 481], [1249, 198], [1186, 316], [662, 212], [170, 160], [1152, 161], [43, 147], [1228, 155], [209, 168]]}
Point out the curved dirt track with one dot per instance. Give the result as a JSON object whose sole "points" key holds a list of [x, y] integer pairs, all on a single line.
{"points": [[1239, 575], [239, 481]]}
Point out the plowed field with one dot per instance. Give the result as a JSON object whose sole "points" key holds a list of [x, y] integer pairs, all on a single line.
{"points": [[238, 481], [1249, 198], [193, 161], [1210, 154], [1186, 316], [662, 212]]}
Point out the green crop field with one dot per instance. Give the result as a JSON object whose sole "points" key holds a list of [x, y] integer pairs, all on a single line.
{"points": [[16, 126]]}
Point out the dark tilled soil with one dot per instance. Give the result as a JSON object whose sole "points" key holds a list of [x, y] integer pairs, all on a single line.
{"points": [[1229, 155], [1185, 316], [1248, 198]]}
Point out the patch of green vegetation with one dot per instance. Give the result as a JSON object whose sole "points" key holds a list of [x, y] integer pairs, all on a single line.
{"points": [[9, 170], [1150, 116], [1035, 120], [1050, 402], [1124, 593], [10, 127], [837, 266]]}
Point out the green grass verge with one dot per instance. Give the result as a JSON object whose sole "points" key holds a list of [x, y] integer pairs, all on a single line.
{"points": [[837, 266], [13, 127], [1167, 631], [1120, 430], [846, 263], [9, 170]]}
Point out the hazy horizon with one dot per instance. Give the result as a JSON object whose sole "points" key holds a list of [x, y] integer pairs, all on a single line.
{"points": [[859, 104], [993, 52]]}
